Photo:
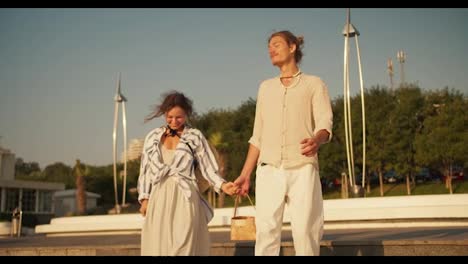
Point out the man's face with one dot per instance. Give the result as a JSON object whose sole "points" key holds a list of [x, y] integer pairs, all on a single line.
{"points": [[280, 52]]}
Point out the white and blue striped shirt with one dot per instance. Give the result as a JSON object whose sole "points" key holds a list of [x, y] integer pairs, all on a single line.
{"points": [[153, 169]]}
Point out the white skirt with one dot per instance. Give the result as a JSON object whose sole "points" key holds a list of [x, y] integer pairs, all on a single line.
{"points": [[174, 226]]}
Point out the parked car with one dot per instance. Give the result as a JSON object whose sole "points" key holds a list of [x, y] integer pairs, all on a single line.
{"points": [[372, 177], [457, 173], [392, 177], [426, 174]]}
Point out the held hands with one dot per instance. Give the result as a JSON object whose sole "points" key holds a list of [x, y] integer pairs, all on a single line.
{"points": [[243, 184], [229, 188], [309, 147], [143, 207]]}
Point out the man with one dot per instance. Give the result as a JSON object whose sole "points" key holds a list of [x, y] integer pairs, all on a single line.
{"points": [[293, 118]]}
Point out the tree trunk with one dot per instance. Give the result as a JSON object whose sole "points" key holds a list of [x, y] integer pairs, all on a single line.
{"points": [[80, 189], [222, 173], [450, 184], [344, 186], [450, 180], [213, 193], [221, 198], [210, 196], [368, 185], [81, 195], [408, 184], [380, 181]]}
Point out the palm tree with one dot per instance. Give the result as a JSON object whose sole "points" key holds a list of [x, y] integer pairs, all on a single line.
{"points": [[219, 150], [80, 188]]}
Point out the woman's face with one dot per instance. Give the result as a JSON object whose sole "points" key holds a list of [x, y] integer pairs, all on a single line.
{"points": [[176, 117]]}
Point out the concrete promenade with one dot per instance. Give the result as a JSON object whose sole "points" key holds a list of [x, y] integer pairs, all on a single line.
{"points": [[436, 241], [423, 225]]}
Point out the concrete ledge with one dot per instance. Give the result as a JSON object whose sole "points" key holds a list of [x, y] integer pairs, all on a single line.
{"points": [[375, 212], [356, 248], [327, 248], [123, 250], [398, 207], [93, 224], [5, 228]]}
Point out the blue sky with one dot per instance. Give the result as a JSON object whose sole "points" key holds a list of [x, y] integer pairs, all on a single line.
{"points": [[59, 67]]}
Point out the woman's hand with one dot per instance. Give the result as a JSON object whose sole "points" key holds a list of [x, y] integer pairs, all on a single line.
{"points": [[229, 188], [144, 205]]}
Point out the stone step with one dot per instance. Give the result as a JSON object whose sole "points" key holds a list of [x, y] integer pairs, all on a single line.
{"points": [[434, 241], [327, 248]]}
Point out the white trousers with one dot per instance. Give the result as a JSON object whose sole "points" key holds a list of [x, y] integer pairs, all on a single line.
{"points": [[301, 190]]}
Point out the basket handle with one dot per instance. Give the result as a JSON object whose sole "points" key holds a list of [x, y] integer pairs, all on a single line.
{"points": [[236, 203]]}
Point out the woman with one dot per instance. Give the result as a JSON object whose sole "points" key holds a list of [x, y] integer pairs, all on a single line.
{"points": [[176, 221]]}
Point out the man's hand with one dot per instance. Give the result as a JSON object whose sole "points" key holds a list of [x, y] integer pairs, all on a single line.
{"points": [[309, 147], [144, 205], [243, 184]]}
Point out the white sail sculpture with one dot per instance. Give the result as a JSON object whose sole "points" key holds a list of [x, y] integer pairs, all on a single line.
{"points": [[119, 99], [351, 32]]}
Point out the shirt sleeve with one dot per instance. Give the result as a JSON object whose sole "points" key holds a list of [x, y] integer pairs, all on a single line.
{"points": [[208, 165], [144, 181], [255, 140], [323, 114]]}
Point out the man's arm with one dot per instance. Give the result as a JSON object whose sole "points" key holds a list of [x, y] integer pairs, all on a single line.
{"points": [[243, 181]]}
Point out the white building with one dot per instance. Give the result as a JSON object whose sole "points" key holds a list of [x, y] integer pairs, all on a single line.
{"points": [[65, 202], [134, 149], [30, 196]]}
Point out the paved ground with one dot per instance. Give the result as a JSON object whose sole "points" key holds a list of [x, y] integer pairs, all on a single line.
{"points": [[439, 234]]}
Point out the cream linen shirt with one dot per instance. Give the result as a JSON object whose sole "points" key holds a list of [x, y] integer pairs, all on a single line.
{"points": [[285, 115]]}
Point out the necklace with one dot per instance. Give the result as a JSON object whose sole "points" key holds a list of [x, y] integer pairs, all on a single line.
{"points": [[295, 75], [172, 132]]}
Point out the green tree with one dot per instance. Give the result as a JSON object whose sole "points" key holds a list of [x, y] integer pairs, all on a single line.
{"points": [[59, 172], [332, 156], [379, 105], [404, 121], [133, 171], [220, 151], [443, 140], [27, 170], [100, 179]]}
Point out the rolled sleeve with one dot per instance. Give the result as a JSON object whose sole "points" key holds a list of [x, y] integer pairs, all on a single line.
{"points": [[144, 181], [258, 123], [323, 114], [143, 196], [208, 164], [255, 141]]}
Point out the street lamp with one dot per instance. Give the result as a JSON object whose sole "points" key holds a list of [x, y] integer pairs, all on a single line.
{"points": [[390, 72], [401, 56]]}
